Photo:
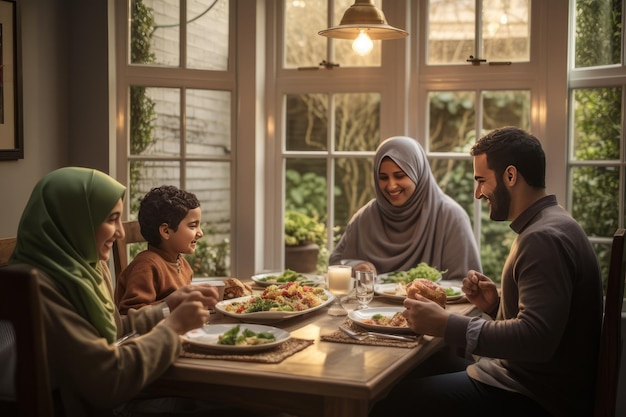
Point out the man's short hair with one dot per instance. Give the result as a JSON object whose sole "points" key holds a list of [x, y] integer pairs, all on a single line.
{"points": [[513, 146]]}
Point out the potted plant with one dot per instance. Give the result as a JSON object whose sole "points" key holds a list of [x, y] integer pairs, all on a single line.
{"points": [[304, 236]]}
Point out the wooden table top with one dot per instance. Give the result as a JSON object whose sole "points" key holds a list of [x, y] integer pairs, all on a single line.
{"points": [[326, 378]]}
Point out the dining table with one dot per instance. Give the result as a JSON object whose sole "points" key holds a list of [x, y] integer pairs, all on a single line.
{"points": [[325, 378]]}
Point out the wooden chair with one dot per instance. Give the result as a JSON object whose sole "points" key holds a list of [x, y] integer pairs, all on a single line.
{"points": [[611, 339], [6, 249], [120, 247], [21, 306]]}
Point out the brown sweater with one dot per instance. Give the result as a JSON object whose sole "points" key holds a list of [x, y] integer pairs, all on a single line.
{"points": [[149, 278], [92, 375]]}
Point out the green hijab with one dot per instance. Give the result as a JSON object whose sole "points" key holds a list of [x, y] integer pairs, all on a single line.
{"points": [[57, 234]]}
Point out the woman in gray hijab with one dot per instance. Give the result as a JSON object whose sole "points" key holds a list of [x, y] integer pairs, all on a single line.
{"points": [[410, 221]]}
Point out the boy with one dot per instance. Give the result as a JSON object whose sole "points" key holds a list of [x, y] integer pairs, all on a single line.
{"points": [[170, 222]]}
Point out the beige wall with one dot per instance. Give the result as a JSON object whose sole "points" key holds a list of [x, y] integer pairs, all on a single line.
{"points": [[65, 97]]}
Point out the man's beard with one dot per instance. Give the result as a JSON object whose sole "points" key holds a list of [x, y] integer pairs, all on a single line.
{"points": [[500, 203]]}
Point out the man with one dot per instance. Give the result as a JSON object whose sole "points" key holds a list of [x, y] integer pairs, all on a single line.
{"points": [[535, 349]]}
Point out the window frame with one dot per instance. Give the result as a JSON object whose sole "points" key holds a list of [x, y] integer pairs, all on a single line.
{"points": [[161, 76]]}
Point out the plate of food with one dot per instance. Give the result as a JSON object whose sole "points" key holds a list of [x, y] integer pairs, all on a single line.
{"points": [[393, 291], [422, 270], [272, 278], [276, 302], [397, 291], [381, 319], [452, 293], [241, 338]]}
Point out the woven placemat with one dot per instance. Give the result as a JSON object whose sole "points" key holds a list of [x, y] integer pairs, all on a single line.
{"points": [[340, 337], [274, 355]]}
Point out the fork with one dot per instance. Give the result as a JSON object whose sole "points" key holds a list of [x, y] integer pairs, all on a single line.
{"points": [[365, 335]]}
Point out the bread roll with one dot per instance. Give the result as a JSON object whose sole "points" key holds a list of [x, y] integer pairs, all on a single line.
{"points": [[428, 289], [235, 289]]}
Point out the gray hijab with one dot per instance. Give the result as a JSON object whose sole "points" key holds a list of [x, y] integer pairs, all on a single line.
{"points": [[430, 227]]}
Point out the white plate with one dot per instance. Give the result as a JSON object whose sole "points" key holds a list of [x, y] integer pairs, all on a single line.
{"points": [[310, 279], [389, 291], [267, 316], [357, 316], [208, 336]]}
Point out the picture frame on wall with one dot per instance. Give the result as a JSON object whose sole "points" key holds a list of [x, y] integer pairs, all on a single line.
{"points": [[11, 126]]}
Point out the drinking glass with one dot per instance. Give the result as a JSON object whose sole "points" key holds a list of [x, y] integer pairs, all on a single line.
{"points": [[340, 283], [364, 287]]}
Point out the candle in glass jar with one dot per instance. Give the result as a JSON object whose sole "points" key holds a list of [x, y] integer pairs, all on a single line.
{"points": [[340, 279]]}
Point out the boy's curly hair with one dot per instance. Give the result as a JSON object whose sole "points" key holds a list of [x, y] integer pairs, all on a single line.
{"points": [[165, 204]]}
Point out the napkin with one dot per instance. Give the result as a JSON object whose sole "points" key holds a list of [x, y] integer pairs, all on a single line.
{"points": [[340, 337], [273, 355]]}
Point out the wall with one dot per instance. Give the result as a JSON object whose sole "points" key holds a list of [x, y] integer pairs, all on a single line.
{"points": [[65, 97], [44, 108]]}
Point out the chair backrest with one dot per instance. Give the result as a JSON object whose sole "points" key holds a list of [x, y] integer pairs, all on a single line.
{"points": [[6, 249], [611, 340], [120, 247], [20, 305]]}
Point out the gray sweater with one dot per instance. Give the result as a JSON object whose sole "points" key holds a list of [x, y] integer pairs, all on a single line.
{"points": [[545, 337]]}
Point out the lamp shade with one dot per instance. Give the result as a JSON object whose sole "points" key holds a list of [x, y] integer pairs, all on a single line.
{"points": [[364, 16]]}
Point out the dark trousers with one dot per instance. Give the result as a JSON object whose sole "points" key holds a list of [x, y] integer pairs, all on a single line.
{"points": [[441, 387]]}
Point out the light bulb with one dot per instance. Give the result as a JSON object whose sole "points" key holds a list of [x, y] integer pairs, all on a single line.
{"points": [[362, 45]]}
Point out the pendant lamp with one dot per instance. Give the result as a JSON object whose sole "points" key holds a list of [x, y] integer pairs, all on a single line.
{"points": [[363, 22]]}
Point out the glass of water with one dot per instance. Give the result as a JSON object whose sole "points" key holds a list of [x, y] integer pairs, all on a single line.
{"points": [[364, 287]]}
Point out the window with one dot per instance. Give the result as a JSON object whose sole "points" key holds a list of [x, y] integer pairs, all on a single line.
{"points": [[176, 88], [596, 163], [329, 104], [481, 70], [332, 119]]}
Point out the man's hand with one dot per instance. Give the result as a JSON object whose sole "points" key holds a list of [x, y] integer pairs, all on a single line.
{"points": [[425, 316], [481, 291]]}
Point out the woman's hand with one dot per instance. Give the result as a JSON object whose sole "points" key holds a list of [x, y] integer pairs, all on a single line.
{"points": [[188, 315], [481, 291]]}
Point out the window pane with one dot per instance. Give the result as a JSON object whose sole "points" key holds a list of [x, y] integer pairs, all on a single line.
{"points": [[306, 122], [357, 121], [506, 108], [303, 46], [207, 34], [506, 30], [595, 199], [354, 186], [597, 123], [208, 122], [155, 121], [306, 187], [452, 123], [212, 255], [451, 31], [603, 252], [598, 33], [456, 179], [155, 32]]}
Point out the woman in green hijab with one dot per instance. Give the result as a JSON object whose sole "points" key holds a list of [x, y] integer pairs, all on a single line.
{"points": [[67, 230]]}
